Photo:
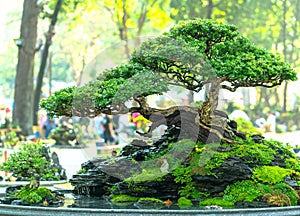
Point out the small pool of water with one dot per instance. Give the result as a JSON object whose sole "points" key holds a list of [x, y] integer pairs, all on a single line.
{"points": [[74, 201]]}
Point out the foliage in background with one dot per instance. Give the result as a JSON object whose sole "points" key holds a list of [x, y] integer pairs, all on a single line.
{"points": [[29, 162]]}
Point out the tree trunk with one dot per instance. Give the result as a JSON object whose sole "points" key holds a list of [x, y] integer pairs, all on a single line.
{"points": [[49, 68], [210, 9], [205, 124], [49, 35], [23, 96], [123, 29], [284, 51]]}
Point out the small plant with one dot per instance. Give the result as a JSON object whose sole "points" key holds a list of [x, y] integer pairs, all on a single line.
{"points": [[29, 162], [278, 199], [11, 139], [183, 202], [123, 198], [82, 171], [34, 195], [280, 194]]}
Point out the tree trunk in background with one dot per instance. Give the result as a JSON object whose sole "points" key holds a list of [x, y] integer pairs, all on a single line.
{"points": [[284, 53], [210, 8], [49, 35], [23, 96]]}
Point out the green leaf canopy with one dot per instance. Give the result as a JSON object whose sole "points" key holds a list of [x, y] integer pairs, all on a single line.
{"points": [[191, 55]]}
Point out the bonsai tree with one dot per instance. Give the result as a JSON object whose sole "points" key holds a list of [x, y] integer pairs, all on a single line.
{"points": [[201, 156], [195, 54], [31, 162]]}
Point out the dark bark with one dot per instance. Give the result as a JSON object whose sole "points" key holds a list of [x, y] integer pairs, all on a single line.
{"points": [[205, 124], [23, 96], [49, 35]]}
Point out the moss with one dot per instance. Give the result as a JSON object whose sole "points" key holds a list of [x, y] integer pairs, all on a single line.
{"points": [[147, 174], [113, 188], [286, 149], [175, 156], [245, 126], [292, 163], [34, 195], [183, 176], [123, 198], [246, 190], [183, 202], [208, 159], [139, 189], [216, 201], [255, 152], [150, 199], [271, 174], [82, 171], [281, 195], [289, 191]]}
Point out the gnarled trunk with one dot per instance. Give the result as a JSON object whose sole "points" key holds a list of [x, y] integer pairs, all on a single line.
{"points": [[205, 124]]}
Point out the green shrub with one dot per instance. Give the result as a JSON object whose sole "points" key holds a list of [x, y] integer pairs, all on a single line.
{"points": [[34, 195], [183, 202], [29, 161]]}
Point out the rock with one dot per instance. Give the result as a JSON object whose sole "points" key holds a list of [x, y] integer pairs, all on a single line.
{"points": [[291, 182], [55, 158], [232, 170], [102, 174], [163, 188], [19, 202], [213, 207], [13, 189], [8, 199], [164, 168], [254, 204]]}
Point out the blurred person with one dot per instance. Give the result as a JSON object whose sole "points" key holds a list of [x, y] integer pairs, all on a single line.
{"points": [[259, 122], [108, 130], [98, 125], [270, 125], [50, 125]]}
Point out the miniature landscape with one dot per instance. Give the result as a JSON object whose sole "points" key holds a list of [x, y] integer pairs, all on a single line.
{"points": [[201, 160], [163, 107]]}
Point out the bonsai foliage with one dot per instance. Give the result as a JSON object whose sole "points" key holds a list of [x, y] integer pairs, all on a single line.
{"points": [[191, 55], [29, 163]]}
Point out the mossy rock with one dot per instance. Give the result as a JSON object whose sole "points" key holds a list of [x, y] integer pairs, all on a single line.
{"points": [[149, 203]]}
